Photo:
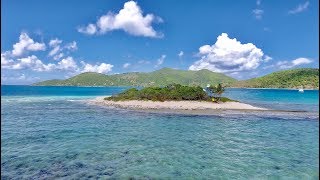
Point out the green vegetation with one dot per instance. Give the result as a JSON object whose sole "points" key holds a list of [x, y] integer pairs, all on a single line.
{"points": [[216, 91], [295, 78], [308, 78], [160, 77], [171, 92]]}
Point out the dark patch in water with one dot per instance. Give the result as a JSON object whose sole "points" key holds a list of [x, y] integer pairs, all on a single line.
{"points": [[126, 152], [139, 160], [18, 166], [71, 156], [13, 157], [144, 177], [276, 167], [37, 160], [5, 177], [108, 173], [177, 173], [297, 161], [44, 173], [78, 165], [90, 176]]}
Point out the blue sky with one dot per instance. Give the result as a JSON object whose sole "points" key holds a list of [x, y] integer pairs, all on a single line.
{"points": [[58, 39]]}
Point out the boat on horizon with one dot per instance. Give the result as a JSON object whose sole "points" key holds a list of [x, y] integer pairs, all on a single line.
{"points": [[301, 90]]}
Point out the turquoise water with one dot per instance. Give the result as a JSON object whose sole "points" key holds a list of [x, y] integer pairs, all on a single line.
{"points": [[49, 132]]}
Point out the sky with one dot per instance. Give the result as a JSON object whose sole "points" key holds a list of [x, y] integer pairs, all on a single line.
{"points": [[42, 39]]}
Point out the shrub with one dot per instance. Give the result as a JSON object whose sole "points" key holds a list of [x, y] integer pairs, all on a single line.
{"points": [[175, 92]]}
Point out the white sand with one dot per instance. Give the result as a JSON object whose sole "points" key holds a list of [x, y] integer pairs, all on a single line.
{"points": [[174, 105]]}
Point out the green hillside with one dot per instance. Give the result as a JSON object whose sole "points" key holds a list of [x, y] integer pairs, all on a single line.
{"points": [[295, 78], [160, 77]]}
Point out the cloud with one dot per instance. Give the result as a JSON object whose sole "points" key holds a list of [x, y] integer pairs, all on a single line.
{"points": [[10, 59], [22, 77], [55, 42], [18, 78], [72, 46], [30, 62], [56, 50], [258, 13], [102, 68], [160, 60], [267, 58], [258, 2], [26, 44], [293, 63], [300, 61], [5, 59], [90, 29], [67, 64], [300, 8], [180, 54], [228, 55], [129, 19], [126, 65], [58, 56], [144, 62]]}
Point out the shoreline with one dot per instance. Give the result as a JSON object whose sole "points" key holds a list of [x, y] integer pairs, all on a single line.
{"points": [[268, 88], [241, 109], [174, 105]]}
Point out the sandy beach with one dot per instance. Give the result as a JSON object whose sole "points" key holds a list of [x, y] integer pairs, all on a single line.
{"points": [[174, 105]]}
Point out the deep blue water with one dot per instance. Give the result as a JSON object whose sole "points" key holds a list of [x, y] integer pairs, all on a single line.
{"points": [[50, 132]]}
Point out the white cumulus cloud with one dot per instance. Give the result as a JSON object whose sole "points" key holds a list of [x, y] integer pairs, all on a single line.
{"points": [[5, 59], [300, 8], [293, 63], [228, 55], [129, 19], [26, 44], [31, 62], [55, 42], [102, 68], [67, 64], [90, 29]]}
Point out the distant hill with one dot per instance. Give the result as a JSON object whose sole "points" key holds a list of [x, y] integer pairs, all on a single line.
{"points": [[160, 77], [295, 78]]}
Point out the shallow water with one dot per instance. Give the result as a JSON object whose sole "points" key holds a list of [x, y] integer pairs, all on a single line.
{"points": [[57, 135]]}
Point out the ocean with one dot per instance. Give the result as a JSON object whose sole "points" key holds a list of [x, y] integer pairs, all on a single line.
{"points": [[50, 132]]}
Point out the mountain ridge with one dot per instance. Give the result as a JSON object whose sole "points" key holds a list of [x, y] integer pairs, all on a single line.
{"points": [[293, 78], [159, 77], [307, 78]]}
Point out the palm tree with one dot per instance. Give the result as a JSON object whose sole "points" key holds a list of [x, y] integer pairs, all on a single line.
{"points": [[219, 90], [216, 91]]}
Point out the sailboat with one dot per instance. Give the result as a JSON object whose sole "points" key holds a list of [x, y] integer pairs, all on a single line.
{"points": [[301, 89]]}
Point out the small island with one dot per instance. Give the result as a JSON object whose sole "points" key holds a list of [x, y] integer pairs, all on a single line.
{"points": [[174, 97]]}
